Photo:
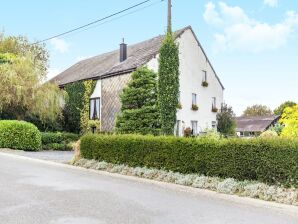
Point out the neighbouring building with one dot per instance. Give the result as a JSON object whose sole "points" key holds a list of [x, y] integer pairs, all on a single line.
{"points": [[254, 126], [201, 91]]}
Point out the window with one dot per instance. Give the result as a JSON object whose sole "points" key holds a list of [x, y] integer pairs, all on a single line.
{"points": [[194, 99], [194, 127], [204, 76], [213, 102], [214, 125], [177, 128], [94, 109]]}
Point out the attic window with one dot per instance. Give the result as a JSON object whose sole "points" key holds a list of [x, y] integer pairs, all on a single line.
{"points": [[94, 109]]}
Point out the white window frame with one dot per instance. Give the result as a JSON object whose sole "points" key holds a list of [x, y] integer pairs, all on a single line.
{"points": [[94, 108], [194, 127], [194, 99], [205, 77], [214, 103], [177, 128]]}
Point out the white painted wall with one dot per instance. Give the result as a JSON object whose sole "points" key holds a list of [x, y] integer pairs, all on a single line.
{"points": [[192, 64]]}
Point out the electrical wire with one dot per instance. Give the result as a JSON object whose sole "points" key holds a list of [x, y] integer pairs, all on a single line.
{"points": [[99, 20]]}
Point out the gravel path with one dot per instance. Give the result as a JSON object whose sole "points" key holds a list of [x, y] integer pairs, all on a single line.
{"points": [[55, 156]]}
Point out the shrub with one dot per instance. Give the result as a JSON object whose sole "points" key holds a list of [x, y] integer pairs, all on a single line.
{"points": [[19, 135], [269, 134], [273, 161], [194, 107], [58, 141]]}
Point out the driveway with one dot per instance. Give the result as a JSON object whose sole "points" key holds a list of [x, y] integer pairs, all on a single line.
{"points": [[55, 156], [35, 192]]}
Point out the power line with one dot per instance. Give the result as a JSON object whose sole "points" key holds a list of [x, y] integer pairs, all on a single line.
{"points": [[113, 19], [94, 22]]}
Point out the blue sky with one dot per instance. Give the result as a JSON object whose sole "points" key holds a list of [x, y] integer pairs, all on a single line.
{"points": [[253, 45]]}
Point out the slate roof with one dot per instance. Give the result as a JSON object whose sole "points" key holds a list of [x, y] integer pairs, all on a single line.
{"points": [[108, 64], [255, 124]]}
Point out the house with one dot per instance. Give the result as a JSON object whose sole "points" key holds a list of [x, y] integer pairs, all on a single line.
{"points": [[201, 91], [254, 126]]}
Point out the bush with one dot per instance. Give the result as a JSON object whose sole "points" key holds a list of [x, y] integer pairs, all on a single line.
{"points": [[19, 135], [273, 161], [58, 141], [269, 134]]}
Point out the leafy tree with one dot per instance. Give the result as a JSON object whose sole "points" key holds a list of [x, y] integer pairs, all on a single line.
{"points": [[168, 83], [279, 110], [139, 111], [277, 128], [23, 71], [290, 120], [257, 110], [226, 123]]}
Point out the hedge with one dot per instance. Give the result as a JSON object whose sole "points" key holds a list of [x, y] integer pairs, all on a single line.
{"points": [[272, 161], [58, 140], [19, 135]]}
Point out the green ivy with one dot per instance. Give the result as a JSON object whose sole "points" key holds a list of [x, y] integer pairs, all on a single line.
{"points": [[77, 105], [168, 84], [89, 87]]}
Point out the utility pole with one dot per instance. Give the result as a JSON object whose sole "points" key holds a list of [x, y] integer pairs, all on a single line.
{"points": [[169, 16]]}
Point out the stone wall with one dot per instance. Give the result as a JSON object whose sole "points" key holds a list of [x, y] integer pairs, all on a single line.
{"points": [[111, 89]]}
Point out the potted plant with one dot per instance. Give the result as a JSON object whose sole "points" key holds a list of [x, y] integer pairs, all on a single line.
{"points": [[205, 84], [194, 107], [214, 109]]}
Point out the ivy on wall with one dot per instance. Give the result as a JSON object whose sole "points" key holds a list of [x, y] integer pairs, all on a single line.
{"points": [[77, 105], [168, 83], [89, 86]]}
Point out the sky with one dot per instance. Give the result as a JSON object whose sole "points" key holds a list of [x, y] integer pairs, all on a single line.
{"points": [[253, 45]]}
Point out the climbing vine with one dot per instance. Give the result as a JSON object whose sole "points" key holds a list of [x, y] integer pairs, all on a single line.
{"points": [[89, 86], [168, 83], [76, 112]]}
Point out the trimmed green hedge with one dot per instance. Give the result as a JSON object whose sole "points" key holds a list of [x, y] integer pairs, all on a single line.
{"points": [[273, 161], [58, 140], [19, 135]]}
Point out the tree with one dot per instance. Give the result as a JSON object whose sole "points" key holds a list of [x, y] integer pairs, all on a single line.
{"points": [[226, 123], [139, 110], [289, 118], [168, 83], [23, 71], [257, 110], [279, 110]]}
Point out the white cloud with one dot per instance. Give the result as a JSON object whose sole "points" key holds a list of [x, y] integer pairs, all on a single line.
{"points": [[60, 45], [271, 3], [237, 31], [52, 72]]}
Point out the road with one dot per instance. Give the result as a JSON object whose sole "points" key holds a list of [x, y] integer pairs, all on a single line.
{"points": [[39, 192]]}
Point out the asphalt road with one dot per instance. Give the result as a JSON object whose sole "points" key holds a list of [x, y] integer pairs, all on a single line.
{"points": [[40, 192]]}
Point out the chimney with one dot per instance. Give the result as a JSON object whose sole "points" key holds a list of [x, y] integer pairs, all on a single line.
{"points": [[123, 51]]}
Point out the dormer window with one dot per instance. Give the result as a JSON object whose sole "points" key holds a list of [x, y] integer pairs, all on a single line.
{"points": [[94, 109]]}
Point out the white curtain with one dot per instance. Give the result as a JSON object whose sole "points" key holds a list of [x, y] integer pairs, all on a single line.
{"points": [[92, 104], [97, 108]]}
